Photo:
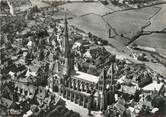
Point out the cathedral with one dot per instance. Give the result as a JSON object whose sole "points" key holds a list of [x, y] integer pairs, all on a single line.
{"points": [[81, 88]]}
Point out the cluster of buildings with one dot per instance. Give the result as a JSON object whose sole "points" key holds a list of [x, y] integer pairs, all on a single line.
{"points": [[24, 76]]}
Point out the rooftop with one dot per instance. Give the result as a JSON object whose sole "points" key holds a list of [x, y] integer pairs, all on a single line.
{"points": [[87, 77], [154, 85]]}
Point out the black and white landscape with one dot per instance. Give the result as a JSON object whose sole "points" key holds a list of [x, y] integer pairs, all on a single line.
{"points": [[83, 58]]}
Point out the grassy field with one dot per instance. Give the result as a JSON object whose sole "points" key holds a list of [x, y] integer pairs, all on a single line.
{"points": [[158, 22], [155, 40], [92, 23], [130, 22], [79, 9]]}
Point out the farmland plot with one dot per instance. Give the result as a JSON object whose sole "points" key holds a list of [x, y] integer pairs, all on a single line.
{"points": [[158, 22], [92, 23], [128, 23]]}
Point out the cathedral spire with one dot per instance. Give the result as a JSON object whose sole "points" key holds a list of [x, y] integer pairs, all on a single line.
{"points": [[68, 61], [66, 39]]}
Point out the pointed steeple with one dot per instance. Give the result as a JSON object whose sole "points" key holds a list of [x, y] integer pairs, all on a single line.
{"points": [[66, 39], [68, 60]]}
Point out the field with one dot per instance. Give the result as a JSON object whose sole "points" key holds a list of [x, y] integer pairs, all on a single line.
{"points": [[155, 40], [130, 22], [92, 23], [81, 8], [158, 22]]}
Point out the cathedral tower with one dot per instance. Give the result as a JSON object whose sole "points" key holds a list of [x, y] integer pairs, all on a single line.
{"points": [[103, 103]]}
